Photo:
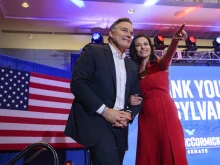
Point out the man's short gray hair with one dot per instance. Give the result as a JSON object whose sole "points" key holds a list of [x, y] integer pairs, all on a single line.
{"points": [[113, 26]]}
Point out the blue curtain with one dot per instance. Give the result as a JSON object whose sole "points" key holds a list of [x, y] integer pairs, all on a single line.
{"points": [[78, 156]]}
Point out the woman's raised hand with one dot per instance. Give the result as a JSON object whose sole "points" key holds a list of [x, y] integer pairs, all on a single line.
{"points": [[181, 34]]}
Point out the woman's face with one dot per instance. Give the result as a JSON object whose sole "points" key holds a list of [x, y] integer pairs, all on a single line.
{"points": [[143, 48]]}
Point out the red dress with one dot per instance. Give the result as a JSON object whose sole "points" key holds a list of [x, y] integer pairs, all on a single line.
{"points": [[160, 133]]}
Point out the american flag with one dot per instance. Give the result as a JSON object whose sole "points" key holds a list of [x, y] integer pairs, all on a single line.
{"points": [[33, 108]]}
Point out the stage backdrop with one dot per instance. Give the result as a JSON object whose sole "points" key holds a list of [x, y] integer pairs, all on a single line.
{"points": [[196, 92]]}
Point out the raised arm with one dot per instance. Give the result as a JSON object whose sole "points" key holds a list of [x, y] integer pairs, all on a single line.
{"points": [[167, 57]]}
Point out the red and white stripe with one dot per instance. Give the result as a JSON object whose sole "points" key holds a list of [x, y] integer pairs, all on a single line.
{"points": [[50, 100]]}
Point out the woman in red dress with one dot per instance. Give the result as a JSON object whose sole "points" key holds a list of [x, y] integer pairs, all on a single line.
{"points": [[160, 134]]}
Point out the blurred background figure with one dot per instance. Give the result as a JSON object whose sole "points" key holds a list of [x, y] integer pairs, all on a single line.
{"points": [[69, 162]]}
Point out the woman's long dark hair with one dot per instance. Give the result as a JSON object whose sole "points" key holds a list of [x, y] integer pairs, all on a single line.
{"points": [[133, 53]]}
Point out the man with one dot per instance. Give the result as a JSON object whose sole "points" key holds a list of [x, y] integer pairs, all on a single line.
{"points": [[102, 82]]}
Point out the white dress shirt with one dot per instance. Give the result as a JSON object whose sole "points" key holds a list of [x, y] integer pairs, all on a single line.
{"points": [[121, 78]]}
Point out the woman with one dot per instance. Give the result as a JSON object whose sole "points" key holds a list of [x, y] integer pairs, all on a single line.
{"points": [[160, 134]]}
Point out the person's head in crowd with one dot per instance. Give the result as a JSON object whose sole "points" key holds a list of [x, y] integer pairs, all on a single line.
{"points": [[69, 162]]}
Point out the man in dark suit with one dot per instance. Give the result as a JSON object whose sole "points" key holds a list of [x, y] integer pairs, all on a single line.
{"points": [[102, 82]]}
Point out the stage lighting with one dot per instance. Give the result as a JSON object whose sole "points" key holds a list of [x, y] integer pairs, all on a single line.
{"points": [[216, 44], [79, 3], [159, 42], [97, 38], [191, 44]]}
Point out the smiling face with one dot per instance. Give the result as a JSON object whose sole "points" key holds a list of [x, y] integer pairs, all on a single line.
{"points": [[121, 36], [143, 49]]}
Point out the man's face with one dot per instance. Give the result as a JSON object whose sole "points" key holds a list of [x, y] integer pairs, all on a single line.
{"points": [[122, 35]]}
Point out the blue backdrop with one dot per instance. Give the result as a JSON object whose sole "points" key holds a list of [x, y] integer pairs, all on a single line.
{"points": [[196, 92]]}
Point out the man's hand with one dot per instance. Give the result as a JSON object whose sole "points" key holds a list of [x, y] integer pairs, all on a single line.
{"points": [[135, 100], [123, 122], [114, 116]]}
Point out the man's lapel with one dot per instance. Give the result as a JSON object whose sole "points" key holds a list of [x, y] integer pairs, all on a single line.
{"points": [[109, 56], [129, 77]]}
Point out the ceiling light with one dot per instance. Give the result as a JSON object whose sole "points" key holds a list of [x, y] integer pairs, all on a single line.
{"points": [[31, 36], [79, 3], [131, 11], [150, 2], [25, 5], [180, 13]]}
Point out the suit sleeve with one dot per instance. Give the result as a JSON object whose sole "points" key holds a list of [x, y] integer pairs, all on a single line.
{"points": [[136, 90], [82, 74]]}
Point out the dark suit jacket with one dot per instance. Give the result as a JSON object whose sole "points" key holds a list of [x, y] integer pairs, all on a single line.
{"points": [[94, 84]]}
